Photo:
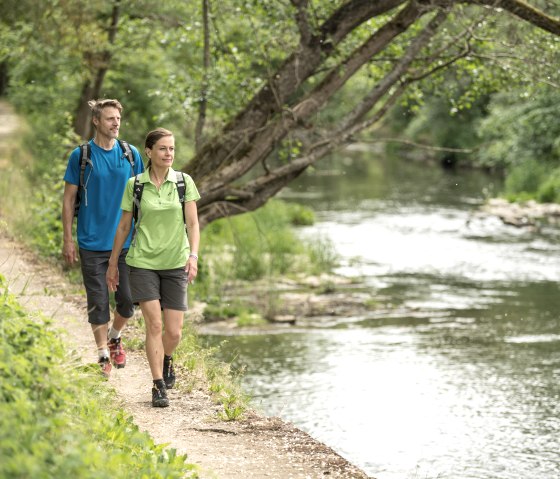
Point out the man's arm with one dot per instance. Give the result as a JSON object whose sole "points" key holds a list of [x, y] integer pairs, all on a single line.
{"points": [[112, 275], [68, 203]]}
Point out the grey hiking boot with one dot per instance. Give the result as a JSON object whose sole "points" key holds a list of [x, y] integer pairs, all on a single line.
{"points": [[168, 372], [159, 396]]}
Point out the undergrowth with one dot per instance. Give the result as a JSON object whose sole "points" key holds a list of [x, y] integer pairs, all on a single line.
{"points": [[200, 368], [57, 418]]}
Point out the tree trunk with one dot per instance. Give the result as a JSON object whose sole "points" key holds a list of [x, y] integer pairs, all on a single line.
{"points": [[199, 130], [91, 88]]}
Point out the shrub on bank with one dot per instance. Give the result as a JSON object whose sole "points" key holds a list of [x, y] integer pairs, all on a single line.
{"points": [[57, 418]]}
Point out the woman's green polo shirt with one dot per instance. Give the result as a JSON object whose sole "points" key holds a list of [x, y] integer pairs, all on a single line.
{"points": [[161, 241]]}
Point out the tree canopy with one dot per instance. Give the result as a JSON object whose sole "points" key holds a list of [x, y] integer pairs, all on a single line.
{"points": [[258, 91]]}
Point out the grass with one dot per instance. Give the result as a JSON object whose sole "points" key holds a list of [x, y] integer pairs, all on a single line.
{"points": [[58, 419], [214, 375]]}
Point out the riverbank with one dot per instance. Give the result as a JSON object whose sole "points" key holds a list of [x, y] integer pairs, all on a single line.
{"points": [[254, 447], [529, 214]]}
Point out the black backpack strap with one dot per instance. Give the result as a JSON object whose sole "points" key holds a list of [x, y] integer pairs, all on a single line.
{"points": [[136, 199], [85, 159], [127, 153], [181, 187]]}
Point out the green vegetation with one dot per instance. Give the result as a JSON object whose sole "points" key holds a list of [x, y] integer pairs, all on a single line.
{"points": [[58, 419], [257, 92], [264, 243], [522, 136], [515, 132], [218, 376]]}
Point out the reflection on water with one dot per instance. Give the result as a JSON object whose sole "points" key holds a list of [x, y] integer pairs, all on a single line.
{"points": [[457, 373]]}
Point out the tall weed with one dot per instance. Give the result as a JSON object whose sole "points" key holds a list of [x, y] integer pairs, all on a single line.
{"points": [[264, 243]]}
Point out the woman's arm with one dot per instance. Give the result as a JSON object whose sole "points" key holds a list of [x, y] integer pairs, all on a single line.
{"points": [[193, 233]]}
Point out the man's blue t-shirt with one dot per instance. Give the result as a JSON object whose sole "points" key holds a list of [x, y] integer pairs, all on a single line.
{"points": [[100, 206]]}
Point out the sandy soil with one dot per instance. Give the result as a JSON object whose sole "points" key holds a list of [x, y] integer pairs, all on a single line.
{"points": [[255, 447]]}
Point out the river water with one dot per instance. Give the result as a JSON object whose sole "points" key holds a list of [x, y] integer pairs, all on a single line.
{"points": [[456, 374]]}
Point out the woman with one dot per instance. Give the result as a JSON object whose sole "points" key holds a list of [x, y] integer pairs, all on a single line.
{"points": [[162, 259]]}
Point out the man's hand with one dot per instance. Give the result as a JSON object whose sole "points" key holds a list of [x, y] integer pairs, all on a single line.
{"points": [[69, 252], [112, 277]]}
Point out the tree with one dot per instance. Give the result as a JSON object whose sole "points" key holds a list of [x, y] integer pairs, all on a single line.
{"points": [[265, 88], [97, 63], [236, 170]]}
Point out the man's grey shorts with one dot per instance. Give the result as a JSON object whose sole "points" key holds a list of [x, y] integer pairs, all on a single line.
{"points": [[167, 285], [94, 268]]}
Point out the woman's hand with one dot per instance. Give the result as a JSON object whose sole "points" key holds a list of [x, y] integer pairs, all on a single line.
{"points": [[191, 268], [112, 277]]}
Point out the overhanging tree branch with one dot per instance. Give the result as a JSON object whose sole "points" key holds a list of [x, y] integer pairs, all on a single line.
{"points": [[277, 110], [237, 136], [524, 11], [264, 143], [258, 191], [302, 20]]}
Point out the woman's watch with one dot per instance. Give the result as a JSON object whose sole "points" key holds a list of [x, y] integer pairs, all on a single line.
{"points": [[193, 255]]}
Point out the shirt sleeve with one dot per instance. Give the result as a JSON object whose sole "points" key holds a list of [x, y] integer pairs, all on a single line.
{"points": [[72, 174], [191, 192], [126, 203]]}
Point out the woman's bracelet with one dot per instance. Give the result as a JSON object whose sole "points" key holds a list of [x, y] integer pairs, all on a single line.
{"points": [[193, 255]]}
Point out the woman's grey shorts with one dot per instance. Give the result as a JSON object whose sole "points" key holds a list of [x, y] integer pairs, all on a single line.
{"points": [[167, 285]]}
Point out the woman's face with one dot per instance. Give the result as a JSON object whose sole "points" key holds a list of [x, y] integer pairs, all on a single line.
{"points": [[163, 152]]}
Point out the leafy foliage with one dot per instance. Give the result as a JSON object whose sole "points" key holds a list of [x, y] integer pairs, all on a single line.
{"points": [[52, 50], [57, 418], [522, 136], [263, 243]]}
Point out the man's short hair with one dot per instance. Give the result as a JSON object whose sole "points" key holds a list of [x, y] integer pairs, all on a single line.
{"points": [[98, 105]]}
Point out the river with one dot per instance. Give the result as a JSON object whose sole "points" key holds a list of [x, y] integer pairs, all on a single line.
{"points": [[458, 375]]}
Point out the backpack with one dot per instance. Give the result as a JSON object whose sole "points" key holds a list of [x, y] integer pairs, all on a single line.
{"points": [[137, 198], [85, 158]]}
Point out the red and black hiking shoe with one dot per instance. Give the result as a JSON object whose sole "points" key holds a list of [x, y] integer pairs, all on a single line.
{"points": [[105, 365], [116, 351]]}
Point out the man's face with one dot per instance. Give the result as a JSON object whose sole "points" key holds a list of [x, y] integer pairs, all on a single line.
{"points": [[108, 123]]}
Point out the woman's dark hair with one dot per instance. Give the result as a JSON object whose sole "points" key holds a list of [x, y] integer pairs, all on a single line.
{"points": [[153, 137]]}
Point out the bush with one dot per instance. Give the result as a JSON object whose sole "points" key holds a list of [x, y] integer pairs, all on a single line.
{"points": [[549, 191], [525, 178], [260, 243], [57, 418]]}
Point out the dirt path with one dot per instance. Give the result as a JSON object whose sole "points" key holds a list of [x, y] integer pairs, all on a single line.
{"points": [[256, 447]]}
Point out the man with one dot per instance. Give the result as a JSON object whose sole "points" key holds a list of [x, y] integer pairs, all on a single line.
{"points": [[100, 187]]}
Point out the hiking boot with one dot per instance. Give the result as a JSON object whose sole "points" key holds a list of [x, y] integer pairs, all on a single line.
{"points": [[116, 351], [105, 365], [159, 396], [168, 372]]}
